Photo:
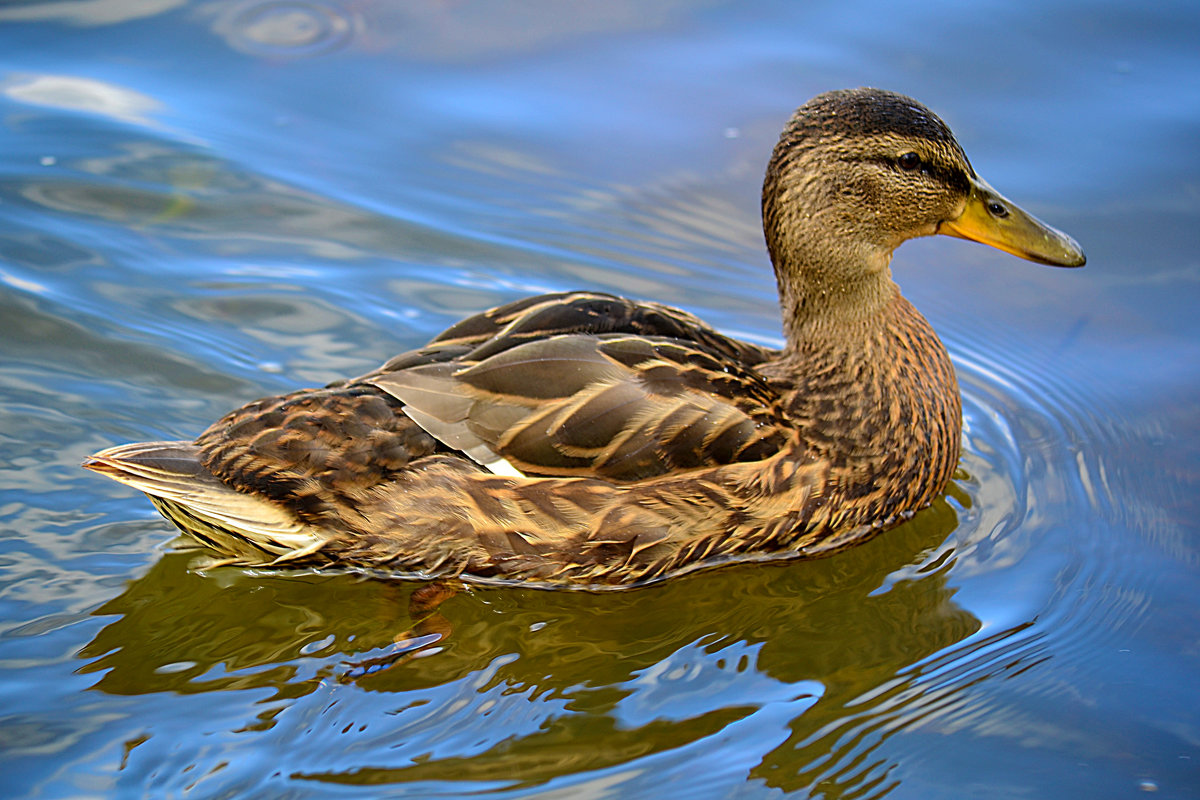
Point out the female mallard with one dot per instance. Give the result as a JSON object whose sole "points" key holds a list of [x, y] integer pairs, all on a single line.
{"points": [[582, 438]]}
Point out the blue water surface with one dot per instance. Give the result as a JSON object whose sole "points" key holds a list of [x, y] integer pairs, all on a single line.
{"points": [[205, 202]]}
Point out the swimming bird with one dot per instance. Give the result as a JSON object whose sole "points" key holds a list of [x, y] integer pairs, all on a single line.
{"points": [[585, 439]]}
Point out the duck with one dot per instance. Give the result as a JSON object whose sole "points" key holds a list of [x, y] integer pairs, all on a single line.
{"points": [[585, 440]]}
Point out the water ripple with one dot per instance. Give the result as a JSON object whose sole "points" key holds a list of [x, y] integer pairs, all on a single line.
{"points": [[287, 28]]}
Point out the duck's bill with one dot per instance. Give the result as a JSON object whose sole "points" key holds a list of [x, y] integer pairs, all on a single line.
{"points": [[992, 219]]}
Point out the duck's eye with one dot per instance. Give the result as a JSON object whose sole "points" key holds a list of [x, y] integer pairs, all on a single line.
{"points": [[910, 161], [997, 210]]}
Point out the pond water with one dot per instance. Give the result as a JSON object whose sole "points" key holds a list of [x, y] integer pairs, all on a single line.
{"points": [[206, 202]]}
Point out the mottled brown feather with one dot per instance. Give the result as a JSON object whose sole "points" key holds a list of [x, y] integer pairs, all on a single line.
{"points": [[564, 405]]}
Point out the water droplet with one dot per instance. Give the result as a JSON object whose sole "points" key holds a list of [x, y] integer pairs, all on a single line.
{"points": [[1147, 785]]}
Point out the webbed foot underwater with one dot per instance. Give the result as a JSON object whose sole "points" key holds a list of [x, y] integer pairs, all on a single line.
{"points": [[585, 439]]}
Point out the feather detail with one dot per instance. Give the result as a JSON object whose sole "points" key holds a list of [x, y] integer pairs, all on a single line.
{"points": [[255, 530]]}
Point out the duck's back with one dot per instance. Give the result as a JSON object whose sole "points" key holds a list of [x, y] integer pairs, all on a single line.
{"points": [[629, 394], [571, 358]]}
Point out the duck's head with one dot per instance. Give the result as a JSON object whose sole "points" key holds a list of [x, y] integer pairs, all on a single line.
{"points": [[856, 172]]}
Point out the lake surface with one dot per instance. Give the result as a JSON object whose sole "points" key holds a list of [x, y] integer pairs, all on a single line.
{"points": [[205, 202]]}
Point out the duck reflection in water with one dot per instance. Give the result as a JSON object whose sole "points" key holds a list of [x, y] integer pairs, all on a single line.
{"points": [[808, 642]]}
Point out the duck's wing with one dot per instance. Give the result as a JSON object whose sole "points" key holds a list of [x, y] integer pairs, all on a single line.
{"points": [[615, 406], [319, 452], [533, 318]]}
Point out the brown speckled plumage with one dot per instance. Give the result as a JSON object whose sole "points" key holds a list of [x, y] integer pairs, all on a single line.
{"points": [[586, 439]]}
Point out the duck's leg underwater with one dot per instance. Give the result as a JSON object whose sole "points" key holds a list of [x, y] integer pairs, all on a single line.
{"points": [[429, 627]]}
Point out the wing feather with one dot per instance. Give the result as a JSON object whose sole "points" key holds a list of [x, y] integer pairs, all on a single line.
{"points": [[613, 406]]}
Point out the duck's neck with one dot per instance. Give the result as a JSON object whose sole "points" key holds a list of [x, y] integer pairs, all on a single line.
{"points": [[833, 302], [832, 271]]}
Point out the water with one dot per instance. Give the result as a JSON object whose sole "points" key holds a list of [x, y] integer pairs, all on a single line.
{"points": [[202, 203]]}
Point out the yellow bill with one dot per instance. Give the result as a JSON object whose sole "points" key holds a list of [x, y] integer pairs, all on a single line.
{"points": [[992, 219]]}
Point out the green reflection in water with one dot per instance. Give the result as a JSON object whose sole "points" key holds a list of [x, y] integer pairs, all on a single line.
{"points": [[590, 682]]}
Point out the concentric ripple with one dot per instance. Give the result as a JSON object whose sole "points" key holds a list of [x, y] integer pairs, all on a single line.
{"points": [[287, 28]]}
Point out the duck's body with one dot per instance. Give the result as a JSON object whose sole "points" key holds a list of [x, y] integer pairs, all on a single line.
{"points": [[587, 439]]}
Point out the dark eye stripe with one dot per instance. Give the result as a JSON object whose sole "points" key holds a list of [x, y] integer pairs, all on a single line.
{"points": [[953, 177]]}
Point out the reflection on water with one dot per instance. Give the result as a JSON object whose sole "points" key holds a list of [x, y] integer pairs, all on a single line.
{"points": [[596, 680], [205, 202], [85, 12], [72, 93]]}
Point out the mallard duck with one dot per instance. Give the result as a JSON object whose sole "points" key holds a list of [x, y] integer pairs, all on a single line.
{"points": [[586, 439]]}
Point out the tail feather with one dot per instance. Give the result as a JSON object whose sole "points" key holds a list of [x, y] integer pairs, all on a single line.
{"points": [[245, 527]]}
